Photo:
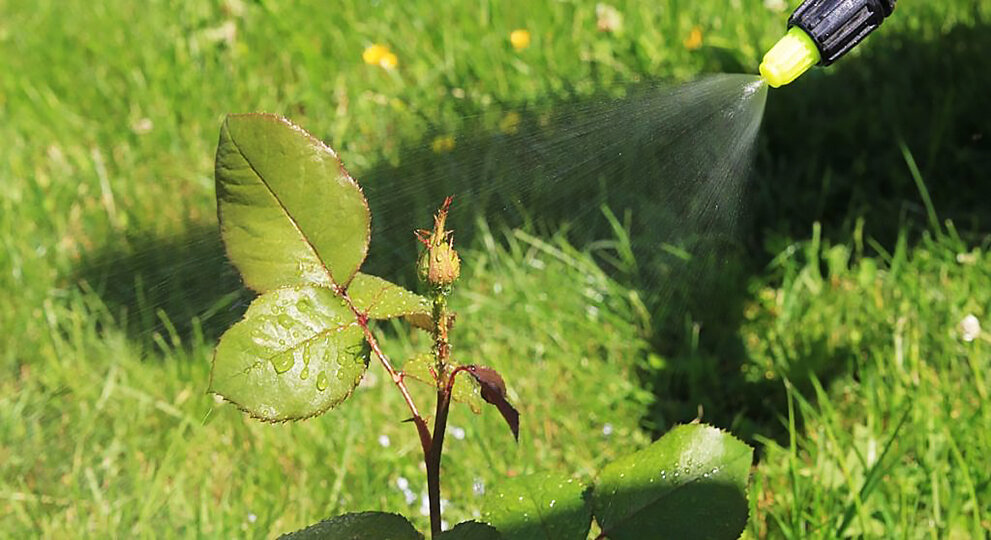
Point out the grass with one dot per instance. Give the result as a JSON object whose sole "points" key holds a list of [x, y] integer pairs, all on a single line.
{"points": [[838, 350], [886, 399]]}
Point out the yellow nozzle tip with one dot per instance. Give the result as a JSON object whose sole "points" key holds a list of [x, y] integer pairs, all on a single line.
{"points": [[791, 56]]}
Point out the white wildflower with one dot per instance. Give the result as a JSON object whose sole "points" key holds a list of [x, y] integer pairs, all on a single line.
{"points": [[970, 328]]}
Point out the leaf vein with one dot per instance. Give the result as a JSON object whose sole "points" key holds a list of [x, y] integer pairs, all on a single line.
{"points": [[285, 210]]}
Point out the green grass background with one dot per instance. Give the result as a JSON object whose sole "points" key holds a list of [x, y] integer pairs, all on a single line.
{"points": [[833, 344]]}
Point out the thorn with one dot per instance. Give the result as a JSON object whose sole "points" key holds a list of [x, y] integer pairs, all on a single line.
{"points": [[423, 236], [698, 415]]}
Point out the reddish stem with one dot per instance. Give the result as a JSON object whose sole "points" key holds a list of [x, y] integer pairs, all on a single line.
{"points": [[397, 378], [434, 459]]}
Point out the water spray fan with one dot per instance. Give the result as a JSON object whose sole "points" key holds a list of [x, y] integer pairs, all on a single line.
{"points": [[819, 33]]}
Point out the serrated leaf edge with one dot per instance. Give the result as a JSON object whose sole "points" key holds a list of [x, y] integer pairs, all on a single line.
{"points": [[424, 303], [594, 485], [368, 229], [376, 512], [316, 413], [537, 507]]}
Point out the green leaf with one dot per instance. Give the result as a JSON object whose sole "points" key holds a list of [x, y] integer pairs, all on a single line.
{"points": [[691, 483], [359, 526], [289, 212], [298, 352], [466, 389], [540, 506], [471, 530], [381, 299]]}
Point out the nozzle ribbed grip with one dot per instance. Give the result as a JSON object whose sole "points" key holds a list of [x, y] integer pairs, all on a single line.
{"points": [[836, 26]]}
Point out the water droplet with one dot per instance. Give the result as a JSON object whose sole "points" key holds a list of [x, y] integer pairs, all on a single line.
{"points": [[622, 475], [285, 320], [283, 363], [304, 305], [340, 374], [322, 381], [305, 374], [282, 342], [521, 498], [553, 502]]}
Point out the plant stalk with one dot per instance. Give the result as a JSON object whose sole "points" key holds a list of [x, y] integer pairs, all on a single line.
{"points": [[442, 351], [397, 378], [433, 459]]}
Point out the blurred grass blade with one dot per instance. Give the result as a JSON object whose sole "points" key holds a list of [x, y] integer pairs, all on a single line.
{"points": [[873, 476]]}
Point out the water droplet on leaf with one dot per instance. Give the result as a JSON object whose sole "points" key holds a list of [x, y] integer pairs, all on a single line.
{"points": [[322, 381], [305, 374], [283, 363]]}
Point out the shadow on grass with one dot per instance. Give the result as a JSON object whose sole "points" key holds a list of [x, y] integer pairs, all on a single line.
{"points": [[173, 288], [829, 153]]}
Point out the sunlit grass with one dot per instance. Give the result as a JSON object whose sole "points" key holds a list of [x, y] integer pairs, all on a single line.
{"points": [[109, 113]]}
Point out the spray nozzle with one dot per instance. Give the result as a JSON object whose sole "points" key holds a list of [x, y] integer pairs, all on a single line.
{"points": [[820, 32]]}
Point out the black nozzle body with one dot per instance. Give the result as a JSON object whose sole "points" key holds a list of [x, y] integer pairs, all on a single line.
{"points": [[836, 26]]}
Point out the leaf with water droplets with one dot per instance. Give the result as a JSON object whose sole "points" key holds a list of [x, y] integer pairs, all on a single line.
{"points": [[691, 483], [466, 389], [538, 506], [381, 299], [298, 352], [289, 212], [359, 526], [471, 530]]}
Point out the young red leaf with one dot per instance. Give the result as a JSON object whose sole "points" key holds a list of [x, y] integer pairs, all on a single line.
{"points": [[494, 392]]}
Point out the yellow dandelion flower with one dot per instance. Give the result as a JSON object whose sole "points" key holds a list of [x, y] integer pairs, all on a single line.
{"points": [[374, 54], [694, 39], [510, 123], [519, 39], [389, 61], [442, 144]]}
